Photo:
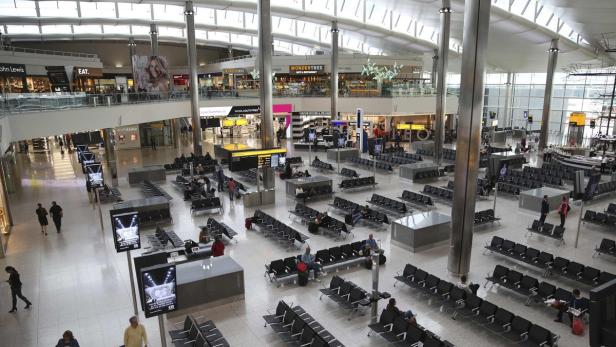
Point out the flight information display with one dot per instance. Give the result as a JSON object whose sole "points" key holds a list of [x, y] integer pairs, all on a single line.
{"points": [[159, 289], [125, 228]]}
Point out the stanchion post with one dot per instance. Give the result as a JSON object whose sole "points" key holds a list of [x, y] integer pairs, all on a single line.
{"points": [[375, 287], [310, 153], [338, 158], [132, 282], [98, 203], [161, 328], [577, 234], [495, 196]]}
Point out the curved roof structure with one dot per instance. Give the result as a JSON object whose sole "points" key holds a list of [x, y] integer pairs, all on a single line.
{"points": [[520, 30]]}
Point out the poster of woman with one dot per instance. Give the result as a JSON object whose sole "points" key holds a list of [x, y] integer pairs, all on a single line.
{"points": [[151, 73]]}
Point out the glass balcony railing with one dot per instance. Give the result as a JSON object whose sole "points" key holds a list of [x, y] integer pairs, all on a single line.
{"points": [[35, 102]]}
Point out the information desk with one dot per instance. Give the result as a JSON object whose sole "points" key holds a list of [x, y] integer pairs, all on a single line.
{"points": [[421, 231], [225, 150], [202, 283], [409, 171], [345, 153], [531, 199], [307, 183], [150, 173]]}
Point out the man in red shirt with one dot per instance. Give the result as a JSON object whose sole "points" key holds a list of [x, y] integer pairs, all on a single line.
{"points": [[218, 248]]}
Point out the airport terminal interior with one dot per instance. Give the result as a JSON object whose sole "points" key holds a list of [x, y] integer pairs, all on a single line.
{"points": [[308, 173]]}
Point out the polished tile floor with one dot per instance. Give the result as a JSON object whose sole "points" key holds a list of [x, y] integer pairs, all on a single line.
{"points": [[77, 281]]}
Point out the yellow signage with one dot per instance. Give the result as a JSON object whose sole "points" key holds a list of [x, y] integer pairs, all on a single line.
{"points": [[403, 126], [235, 147], [228, 122], [579, 118], [263, 152], [241, 121], [418, 127]]}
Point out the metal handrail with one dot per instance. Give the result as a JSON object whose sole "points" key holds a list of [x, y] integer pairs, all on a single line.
{"points": [[49, 52]]}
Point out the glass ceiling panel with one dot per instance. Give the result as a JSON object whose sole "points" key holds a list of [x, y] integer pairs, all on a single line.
{"points": [[205, 15], [251, 21], [296, 4], [326, 34], [241, 39], [377, 14], [116, 29], [97, 9], [351, 9], [87, 29], [18, 8], [504, 4], [283, 46], [283, 25], [518, 6], [58, 8], [170, 32], [301, 50], [56, 29], [136, 11], [230, 18], [218, 36], [201, 35], [320, 6], [169, 13], [308, 30], [141, 30], [22, 29], [403, 24]]}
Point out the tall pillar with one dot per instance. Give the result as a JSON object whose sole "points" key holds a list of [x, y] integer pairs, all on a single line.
{"points": [[334, 72], [508, 116], [110, 156], [230, 52], [132, 51], [547, 97], [153, 39], [265, 92], [441, 84], [476, 26], [434, 69], [194, 82]]}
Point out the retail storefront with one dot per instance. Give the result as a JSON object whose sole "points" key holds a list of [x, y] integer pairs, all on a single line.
{"points": [[58, 78], [13, 78], [302, 80], [127, 137], [85, 79], [180, 82], [156, 133]]}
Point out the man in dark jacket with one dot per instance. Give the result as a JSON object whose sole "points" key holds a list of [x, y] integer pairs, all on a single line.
{"points": [[15, 284], [56, 214], [545, 209]]}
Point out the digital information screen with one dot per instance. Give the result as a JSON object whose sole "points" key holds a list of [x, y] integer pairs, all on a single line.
{"points": [[159, 289], [312, 135], [125, 228], [95, 175]]}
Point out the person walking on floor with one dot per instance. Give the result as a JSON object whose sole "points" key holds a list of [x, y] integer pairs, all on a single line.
{"points": [[68, 340], [563, 210], [135, 335], [220, 174], [545, 209], [56, 215], [15, 284], [41, 213], [231, 186]]}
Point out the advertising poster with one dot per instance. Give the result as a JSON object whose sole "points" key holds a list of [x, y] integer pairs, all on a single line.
{"points": [[125, 228], [94, 172], [151, 74], [159, 289]]}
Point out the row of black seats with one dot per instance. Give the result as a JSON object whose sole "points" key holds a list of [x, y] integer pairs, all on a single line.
{"points": [[425, 151], [392, 149], [397, 330], [351, 207], [483, 186], [438, 192], [271, 226], [484, 217], [606, 187], [416, 198], [388, 204], [194, 334], [520, 182], [394, 160], [321, 165], [561, 171], [250, 175], [607, 246], [420, 175], [599, 218], [349, 295], [535, 290], [513, 161], [370, 163], [413, 156], [357, 182], [205, 204], [282, 268], [611, 209], [307, 214], [298, 328], [548, 230], [539, 174], [150, 189], [348, 172], [181, 162], [510, 188], [109, 194], [161, 238], [546, 261], [155, 216], [216, 228], [483, 312]]}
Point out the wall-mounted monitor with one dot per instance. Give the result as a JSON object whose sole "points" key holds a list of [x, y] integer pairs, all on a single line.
{"points": [[125, 228], [159, 289]]}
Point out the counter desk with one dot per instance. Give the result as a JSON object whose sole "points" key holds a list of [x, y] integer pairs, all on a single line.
{"points": [[421, 231]]}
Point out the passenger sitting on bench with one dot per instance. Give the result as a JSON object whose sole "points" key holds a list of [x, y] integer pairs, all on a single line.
{"points": [[309, 260], [575, 302], [370, 246], [408, 315], [199, 170], [300, 194], [313, 227]]}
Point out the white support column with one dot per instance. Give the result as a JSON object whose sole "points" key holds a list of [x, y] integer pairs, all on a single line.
{"points": [[191, 44], [334, 71], [441, 85], [547, 97], [153, 39]]}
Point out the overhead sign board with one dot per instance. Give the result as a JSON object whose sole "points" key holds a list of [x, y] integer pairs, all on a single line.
{"points": [[312, 113], [214, 111], [88, 72], [306, 69], [236, 71], [12, 69], [244, 110], [579, 118]]}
